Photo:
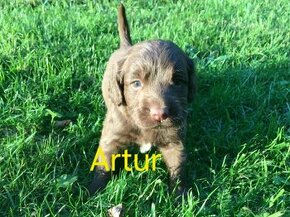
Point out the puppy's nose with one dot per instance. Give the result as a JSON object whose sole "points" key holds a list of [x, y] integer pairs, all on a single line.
{"points": [[158, 114]]}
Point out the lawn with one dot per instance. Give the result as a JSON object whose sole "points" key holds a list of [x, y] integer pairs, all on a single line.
{"points": [[52, 58]]}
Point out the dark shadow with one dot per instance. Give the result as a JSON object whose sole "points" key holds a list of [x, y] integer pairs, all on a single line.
{"points": [[235, 109]]}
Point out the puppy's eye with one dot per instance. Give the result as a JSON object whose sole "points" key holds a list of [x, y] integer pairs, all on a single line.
{"points": [[137, 84]]}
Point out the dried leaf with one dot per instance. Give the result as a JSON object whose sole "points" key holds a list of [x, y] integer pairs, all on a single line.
{"points": [[116, 211]]}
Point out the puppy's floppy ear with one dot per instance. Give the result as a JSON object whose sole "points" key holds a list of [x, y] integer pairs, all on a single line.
{"points": [[191, 80], [116, 84]]}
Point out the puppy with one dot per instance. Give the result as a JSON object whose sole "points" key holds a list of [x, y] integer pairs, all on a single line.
{"points": [[146, 88]]}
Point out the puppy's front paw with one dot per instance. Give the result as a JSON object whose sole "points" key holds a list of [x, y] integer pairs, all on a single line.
{"points": [[178, 190], [101, 179]]}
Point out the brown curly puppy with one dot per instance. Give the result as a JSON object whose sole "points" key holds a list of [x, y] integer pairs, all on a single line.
{"points": [[146, 88]]}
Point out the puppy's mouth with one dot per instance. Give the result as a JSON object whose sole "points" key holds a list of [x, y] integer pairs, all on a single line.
{"points": [[155, 126], [161, 125]]}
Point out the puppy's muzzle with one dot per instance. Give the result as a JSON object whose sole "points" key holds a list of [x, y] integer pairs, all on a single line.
{"points": [[158, 114]]}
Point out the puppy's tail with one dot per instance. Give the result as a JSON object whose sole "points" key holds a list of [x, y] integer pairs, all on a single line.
{"points": [[124, 32]]}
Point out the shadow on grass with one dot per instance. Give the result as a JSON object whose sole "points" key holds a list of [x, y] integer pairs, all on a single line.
{"points": [[234, 109]]}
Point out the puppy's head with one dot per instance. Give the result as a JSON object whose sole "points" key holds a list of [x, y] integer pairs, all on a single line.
{"points": [[155, 82]]}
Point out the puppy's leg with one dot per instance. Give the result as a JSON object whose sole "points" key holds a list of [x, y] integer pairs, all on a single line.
{"points": [[174, 158], [102, 174]]}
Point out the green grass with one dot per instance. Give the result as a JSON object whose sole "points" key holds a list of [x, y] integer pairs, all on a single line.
{"points": [[52, 58]]}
